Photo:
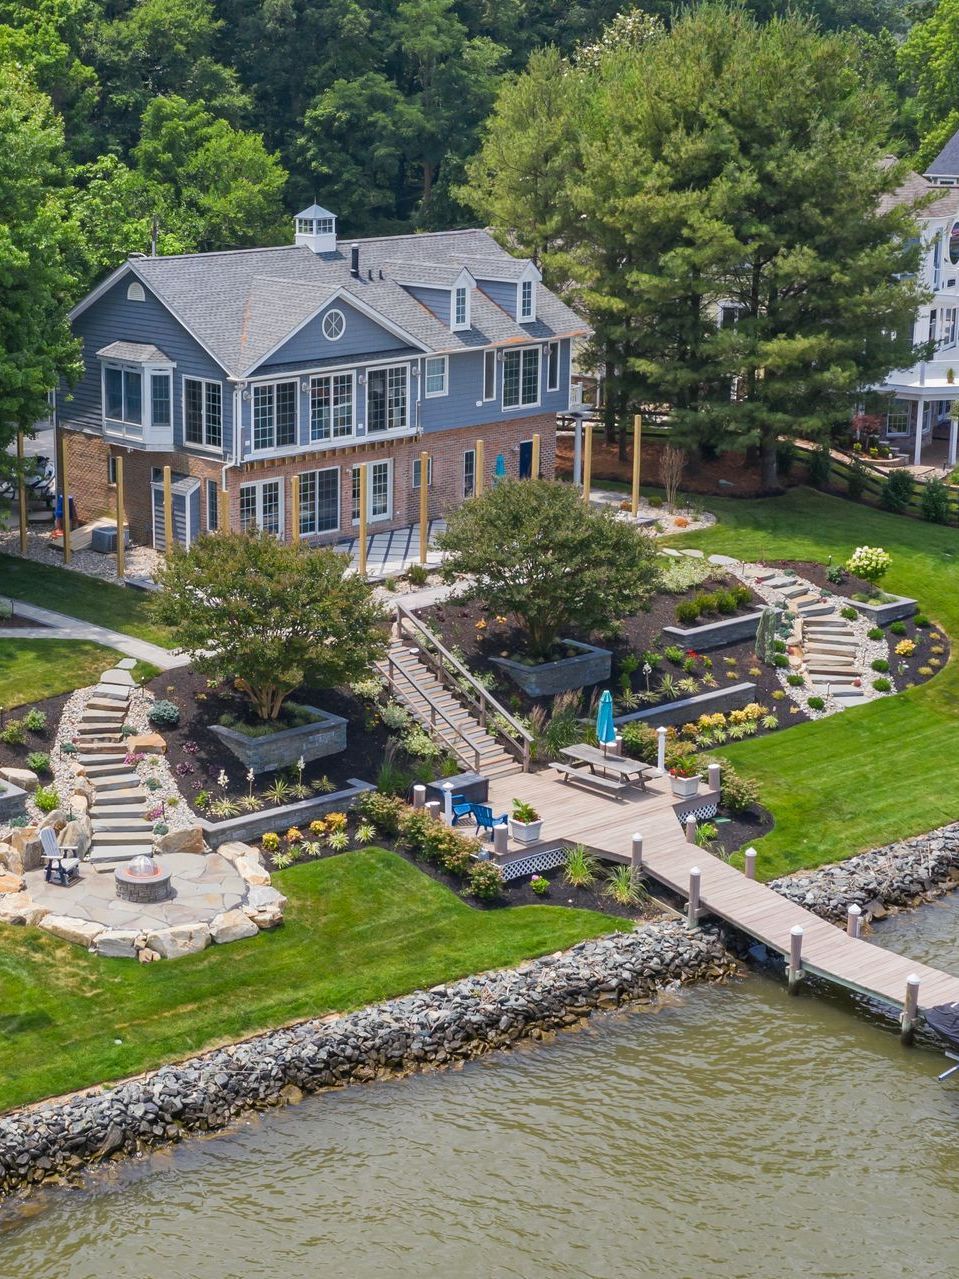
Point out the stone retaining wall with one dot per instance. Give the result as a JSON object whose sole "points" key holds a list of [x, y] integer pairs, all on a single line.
{"points": [[324, 735], [905, 874], [730, 630], [456, 1022], [254, 825], [591, 665], [689, 708]]}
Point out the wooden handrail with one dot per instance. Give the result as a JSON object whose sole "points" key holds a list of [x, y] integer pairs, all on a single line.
{"points": [[521, 739], [460, 740]]}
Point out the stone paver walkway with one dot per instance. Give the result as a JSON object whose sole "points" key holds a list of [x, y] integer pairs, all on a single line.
{"points": [[61, 626]]}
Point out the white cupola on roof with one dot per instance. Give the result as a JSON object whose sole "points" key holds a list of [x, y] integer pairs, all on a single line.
{"points": [[316, 228]]}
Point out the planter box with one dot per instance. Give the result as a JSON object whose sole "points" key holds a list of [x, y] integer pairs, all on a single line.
{"points": [[897, 608], [728, 630], [326, 735], [685, 787], [252, 825], [12, 801], [690, 708], [590, 665], [525, 832]]}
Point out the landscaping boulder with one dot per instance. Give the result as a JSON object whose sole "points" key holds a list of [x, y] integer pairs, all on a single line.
{"points": [[265, 906], [189, 840], [252, 871], [79, 803], [77, 834], [119, 943], [26, 841], [10, 859], [82, 932], [233, 850], [147, 744], [59, 817], [183, 939], [232, 925], [147, 956], [20, 908], [11, 882], [22, 777]]}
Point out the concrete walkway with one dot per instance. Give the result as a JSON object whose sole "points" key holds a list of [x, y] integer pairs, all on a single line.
{"points": [[60, 626]]}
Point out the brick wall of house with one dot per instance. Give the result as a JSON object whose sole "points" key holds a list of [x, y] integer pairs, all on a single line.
{"points": [[88, 463]]}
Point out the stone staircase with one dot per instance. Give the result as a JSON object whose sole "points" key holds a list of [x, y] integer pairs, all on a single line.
{"points": [[824, 646], [120, 802], [437, 709]]}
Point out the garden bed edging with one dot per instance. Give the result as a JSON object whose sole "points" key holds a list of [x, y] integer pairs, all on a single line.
{"points": [[325, 735], [591, 665], [13, 801], [729, 630], [253, 825], [895, 609]]}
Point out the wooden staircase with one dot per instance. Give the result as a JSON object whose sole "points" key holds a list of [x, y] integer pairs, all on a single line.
{"points": [[440, 711]]}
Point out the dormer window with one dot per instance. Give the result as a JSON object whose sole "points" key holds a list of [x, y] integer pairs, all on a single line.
{"points": [[527, 301], [461, 307]]}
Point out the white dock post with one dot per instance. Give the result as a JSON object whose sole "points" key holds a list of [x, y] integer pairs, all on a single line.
{"points": [[750, 868], [500, 838], [661, 751], [714, 774], [433, 808], [910, 1009], [419, 796], [854, 920], [690, 827], [795, 957], [448, 802], [692, 910], [636, 859]]}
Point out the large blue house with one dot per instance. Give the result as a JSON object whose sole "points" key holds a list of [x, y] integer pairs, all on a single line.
{"points": [[242, 369]]}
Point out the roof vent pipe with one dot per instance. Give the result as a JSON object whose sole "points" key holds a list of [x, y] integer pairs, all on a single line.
{"points": [[355, 261], [370, 273]]}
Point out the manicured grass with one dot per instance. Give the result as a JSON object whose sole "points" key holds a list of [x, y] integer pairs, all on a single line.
{"points": [[87, 598], [360, 927], [33, 669], [872, 774]]}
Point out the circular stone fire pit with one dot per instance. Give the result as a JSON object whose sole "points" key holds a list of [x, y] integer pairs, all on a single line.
{"points": [[143, 879]]}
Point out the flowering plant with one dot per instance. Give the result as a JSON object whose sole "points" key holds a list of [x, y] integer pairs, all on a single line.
{"points": [[905, 648], [682, 770], [869, 562]]}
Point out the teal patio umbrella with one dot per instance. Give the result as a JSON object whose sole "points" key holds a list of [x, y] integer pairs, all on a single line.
{"points": [[605, 728]]}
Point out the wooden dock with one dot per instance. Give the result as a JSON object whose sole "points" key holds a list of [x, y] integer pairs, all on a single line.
{"points": [[606, 825]]}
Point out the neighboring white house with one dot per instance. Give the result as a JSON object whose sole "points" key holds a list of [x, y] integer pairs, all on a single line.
{"points": [[921, 397]]}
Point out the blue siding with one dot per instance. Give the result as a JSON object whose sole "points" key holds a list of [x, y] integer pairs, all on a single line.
{"points": [[436, 300], [503, 294], [460, 407], [113, 318], [362, 336]]}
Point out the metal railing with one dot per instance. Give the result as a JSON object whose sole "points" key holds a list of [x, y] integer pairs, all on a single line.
{"points": [[515, 737], [441, 725]]}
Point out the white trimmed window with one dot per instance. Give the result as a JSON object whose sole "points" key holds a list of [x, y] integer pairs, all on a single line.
{"points": [[461, 307], [212, 506], [334, 325], [521, 378], [552, 366], [388, 398], [123, 394], [202, 413], [527, 300], [261, 506], [274, 415], [489, 375], [111, 470], [331, 406], [378, 491], [320, 501], [418, 472], [436, 380], [469, 472]]}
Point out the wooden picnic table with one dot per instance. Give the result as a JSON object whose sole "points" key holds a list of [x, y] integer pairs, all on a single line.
{"points": [[632, 770]]}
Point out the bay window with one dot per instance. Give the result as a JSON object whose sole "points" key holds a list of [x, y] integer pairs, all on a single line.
{"points": [[274, 415], [521, 378], [123, 394]]}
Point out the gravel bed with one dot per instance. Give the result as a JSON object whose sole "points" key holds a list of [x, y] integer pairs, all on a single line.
{"points": [[140, 561]]}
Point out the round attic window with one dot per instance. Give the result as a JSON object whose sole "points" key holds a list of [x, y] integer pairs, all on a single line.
{"points": [[954, 244], [334, 325]]}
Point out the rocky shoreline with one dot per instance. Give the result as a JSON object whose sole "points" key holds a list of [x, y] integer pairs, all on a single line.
{"points": [[427, 1029], [897, 876]]}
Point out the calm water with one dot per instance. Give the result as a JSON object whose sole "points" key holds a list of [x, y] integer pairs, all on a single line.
{"points": [[735, 1133]]}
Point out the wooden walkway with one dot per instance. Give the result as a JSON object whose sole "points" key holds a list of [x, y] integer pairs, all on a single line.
{"points": [[607, 825]]}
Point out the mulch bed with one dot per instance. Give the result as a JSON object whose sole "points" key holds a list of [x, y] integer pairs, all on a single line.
{"points": [[17, 623], [743, 829], [16, 756], [196, 755]]}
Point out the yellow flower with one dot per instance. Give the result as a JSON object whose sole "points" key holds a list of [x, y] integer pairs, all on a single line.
{"points": [[293, 835], [794, 710], [481, 625]]}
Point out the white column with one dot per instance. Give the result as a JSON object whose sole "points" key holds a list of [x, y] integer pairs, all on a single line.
{"points": [[578, 452], [920, 415], [953, 438], [661, 751]]}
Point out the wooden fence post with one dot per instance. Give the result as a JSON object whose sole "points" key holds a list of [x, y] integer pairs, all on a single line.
{"points": [[910, 1009], [692, 910], [534, 466], [795, 958], [637, 448], [223, 511], [362, 528], [295, 509], [167, 510], [480, 464], [424, 505], [21, 494], [587, 460], [121, 520]]}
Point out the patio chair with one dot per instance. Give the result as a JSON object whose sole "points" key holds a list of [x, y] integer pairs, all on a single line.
{"points": [[62, 864], [485, 819], [462, 807]]}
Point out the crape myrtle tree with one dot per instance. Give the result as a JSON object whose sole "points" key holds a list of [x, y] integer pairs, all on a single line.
{"points": [[721, 169], [536, 549], [269, 616]]}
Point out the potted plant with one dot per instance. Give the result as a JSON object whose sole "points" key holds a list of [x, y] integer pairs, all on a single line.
{"points": [[684, 781], [525, 824]]}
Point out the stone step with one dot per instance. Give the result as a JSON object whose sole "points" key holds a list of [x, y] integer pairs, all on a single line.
{"points": [[834, 679], [826, 624], [794, 591], [111, 838], [115, 758], [845, 691], [836, 672], [132, 796], [103, 704], [836, 648], [111, 768], [113, 692], [815, 610], [134, 824], [117, 781], [114, 855], [87, 750], [119, 812], [832, 634], [87, 735], [776, 581], [118, 679]]}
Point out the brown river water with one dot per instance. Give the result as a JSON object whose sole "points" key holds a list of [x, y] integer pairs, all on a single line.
{"points": [[737, 1133]]}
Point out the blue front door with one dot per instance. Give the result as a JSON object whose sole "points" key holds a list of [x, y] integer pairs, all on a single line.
{"points": [[526, 459]]}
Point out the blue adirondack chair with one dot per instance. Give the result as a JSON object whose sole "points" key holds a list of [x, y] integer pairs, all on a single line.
{"points": [[485, 819], [462, 807]]}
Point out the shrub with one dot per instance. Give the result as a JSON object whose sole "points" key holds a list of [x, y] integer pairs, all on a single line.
{"points": [[820, 465], [920, 620], [897, 628], [539, 885], [869, 562], [726, 602], [673, 653], [39, 761], [856, 479], [849, 613], [46, 798], [623, 887], [14, 733], [270, 841], [780, 660], [68, 748], [737, 794], [382, 811], [161, 828], [687, 613], [875, 632], [934, 502], [640, 741], [880, 665], [882, 685], [579, 867], [485, 880], [785, 456], [897, 491], [164, 714], [35, 720], [815, 703], [925, 671], [905, 648], [778, 694], [417, 574], [779, 646], [656, 502]]}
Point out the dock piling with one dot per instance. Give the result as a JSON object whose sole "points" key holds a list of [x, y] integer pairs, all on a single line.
{"points": [[500, 839], [910, 1009], [714, 774], [419, 796], [433, 808], [795, 957], [854, 920], [750, 868], [660, 751], [692, 909], [636, 859], [689, 826]]}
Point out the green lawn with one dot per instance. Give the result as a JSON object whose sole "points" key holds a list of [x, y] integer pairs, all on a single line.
{"points": [[872, 774], [32, 669], [360, 927], [87, 598]]}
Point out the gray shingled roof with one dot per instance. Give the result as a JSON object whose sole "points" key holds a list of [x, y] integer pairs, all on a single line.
{"points": [[946, 163], [429, 273], [133, 353], [917, 188], [241, 305]]}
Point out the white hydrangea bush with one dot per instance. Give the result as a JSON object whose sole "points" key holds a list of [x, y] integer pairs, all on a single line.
{"points": [[869, 562]]}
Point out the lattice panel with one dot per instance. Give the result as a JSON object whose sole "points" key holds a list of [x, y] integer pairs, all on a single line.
{"points": [[702, 814], [545, 859]]}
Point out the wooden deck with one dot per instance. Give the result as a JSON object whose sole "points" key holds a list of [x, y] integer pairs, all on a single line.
{"points": [[607, 824]]}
